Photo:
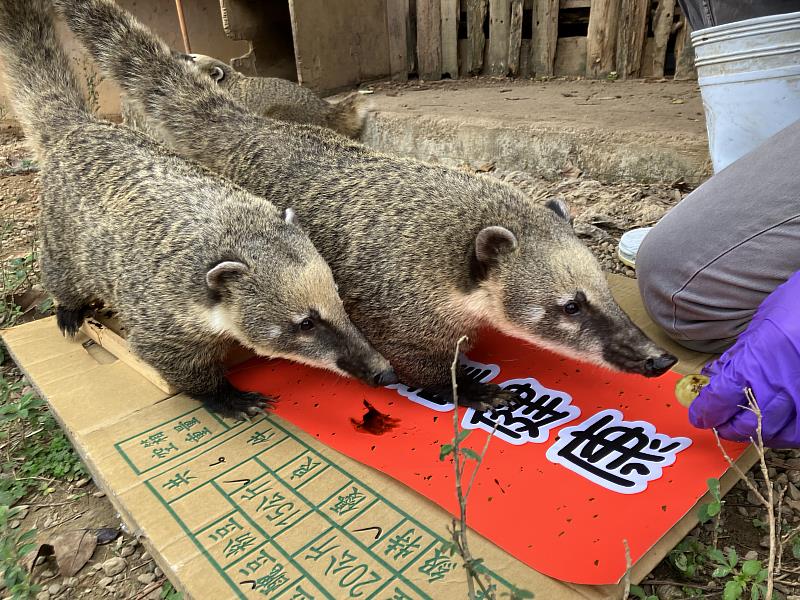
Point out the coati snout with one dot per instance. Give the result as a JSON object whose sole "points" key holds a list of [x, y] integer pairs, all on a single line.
{"points": [[549, 289], [289, 307]]}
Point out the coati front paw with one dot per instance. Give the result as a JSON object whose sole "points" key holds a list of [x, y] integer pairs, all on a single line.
{"points": [[69, 320], [472, 394], [229, 402], [484, 396]]}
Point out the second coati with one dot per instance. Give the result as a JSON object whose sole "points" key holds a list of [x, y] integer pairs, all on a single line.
{"points": [[271, 97], [190, 262], [423, 254]]}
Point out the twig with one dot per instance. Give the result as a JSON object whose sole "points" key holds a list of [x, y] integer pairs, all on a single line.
{"points": [[626, 587], [766, 501], [779, 525], [460, 532], [677, 584], [150, 588]]}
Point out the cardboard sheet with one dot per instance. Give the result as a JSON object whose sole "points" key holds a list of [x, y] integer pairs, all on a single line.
{"points": [[585, 461], [263, 509]]}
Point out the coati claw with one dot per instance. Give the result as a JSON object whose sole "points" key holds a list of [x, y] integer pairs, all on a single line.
{"points": [[69, 321], [236, 404]]}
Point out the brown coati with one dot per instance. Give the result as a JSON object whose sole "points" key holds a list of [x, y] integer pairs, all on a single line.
{"points": [[271, 97], [191, 263], [422, 254]]}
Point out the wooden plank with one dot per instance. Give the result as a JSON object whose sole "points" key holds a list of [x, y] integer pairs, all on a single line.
{"points": [[601, 40], [449, 38], [662, 28], [333, 50], [544, 37], [684, 53], [429, 39], [515, 38], [476, 14], [499, 27], [570, 56], [631, 37], [397, 25], [525, 58], [576, 3]]}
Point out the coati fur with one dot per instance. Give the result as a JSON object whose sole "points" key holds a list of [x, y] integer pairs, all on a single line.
{"points": [[271, 97], [423, 254], [191, 262]]}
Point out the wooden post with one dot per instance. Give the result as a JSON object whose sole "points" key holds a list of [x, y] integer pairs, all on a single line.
{"points": [[429, 39], [662, 28], [515, 38], [631, 37], [397, 25], [449, 38], [684, 53], [476, 13], [499, 27], [182, 24], [601, 40], [544, 37]]}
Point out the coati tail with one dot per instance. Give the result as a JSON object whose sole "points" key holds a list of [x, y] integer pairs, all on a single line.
{"points": [[152, 76], [348, 116], [41, 84]]}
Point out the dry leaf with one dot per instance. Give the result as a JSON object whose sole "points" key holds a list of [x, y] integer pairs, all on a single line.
{"points": [[73, 550]]}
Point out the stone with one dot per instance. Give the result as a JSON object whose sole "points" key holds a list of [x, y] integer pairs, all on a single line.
{"points": [[158, 572], [47, 575], [752, 498], [15, 524], [70, 582], [45, 595], [751, 555], [82, 482], [119, 576], [99, 494], [126, 551], [669, 592], [105, 582], [114, 566], [793, 492], [145, 556], [742, 510], [764, 543], [146, 578], [54, 589], [22, 511]]}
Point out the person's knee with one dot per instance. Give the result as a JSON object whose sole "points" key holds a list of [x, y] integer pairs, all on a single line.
{"points": [[679, 300]]}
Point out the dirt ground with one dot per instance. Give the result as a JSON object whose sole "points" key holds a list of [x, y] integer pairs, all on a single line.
{"points": [[121, 569]]}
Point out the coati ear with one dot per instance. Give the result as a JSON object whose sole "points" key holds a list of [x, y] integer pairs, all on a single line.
{"points": [[561, 208], [490, 244], [291, 217], [217, 74], [218, 275]]}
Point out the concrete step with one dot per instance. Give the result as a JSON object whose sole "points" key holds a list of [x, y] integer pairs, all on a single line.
{"points": [[615, 131]]}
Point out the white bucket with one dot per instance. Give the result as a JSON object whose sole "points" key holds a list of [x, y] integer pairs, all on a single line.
{"points": [[749, 76]]}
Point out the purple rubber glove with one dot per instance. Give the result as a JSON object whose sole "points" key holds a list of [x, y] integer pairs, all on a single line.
{"points": [[765, 358]]}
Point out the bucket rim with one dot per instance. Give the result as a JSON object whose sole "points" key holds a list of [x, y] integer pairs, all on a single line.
{"points": [[738, 26]]}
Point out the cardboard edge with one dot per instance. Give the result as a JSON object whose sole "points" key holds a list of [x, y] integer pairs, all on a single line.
{"points": [[108, 339], [129, 522]]}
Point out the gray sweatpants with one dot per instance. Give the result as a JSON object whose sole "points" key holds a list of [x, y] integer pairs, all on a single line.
{"points": [[708, 264]]}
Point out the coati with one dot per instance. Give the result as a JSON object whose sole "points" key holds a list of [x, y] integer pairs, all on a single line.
{"points": [[272, 97], [191, 263], [422, 253]]}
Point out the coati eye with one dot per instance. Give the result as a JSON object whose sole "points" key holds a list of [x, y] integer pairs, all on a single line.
{"points": [[572, 308], [306, 324]]}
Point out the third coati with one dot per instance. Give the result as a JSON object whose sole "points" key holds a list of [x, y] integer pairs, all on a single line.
{"points": [[271, 97], [191, 262], [422, 254]]}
